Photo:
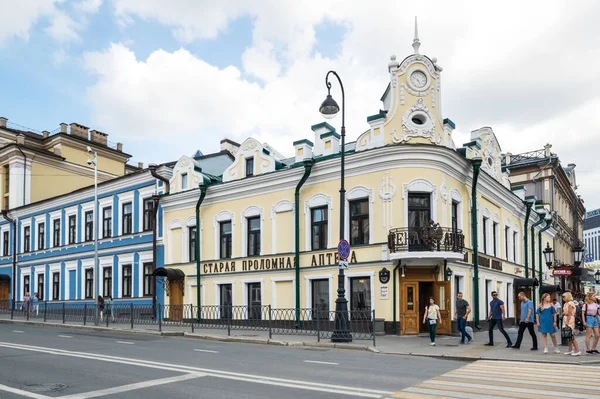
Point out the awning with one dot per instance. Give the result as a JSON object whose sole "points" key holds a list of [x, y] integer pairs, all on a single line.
{"points": [[171, 274], [549, 288], [4, 277], [525, 282]]}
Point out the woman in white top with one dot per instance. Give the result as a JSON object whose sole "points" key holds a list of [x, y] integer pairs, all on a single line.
{"points": [[432, 317], [590, 321]]}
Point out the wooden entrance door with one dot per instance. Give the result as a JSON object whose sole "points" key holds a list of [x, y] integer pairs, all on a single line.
{"points": [[4, 294], [175, 300], [441, 293], [409, 308]]}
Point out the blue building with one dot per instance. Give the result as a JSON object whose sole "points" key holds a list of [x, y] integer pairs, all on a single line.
{"points": [[55, 244]]}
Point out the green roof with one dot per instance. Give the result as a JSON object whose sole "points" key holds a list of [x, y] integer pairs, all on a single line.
{"points": [[303, 141], [376, 116], [321, 125], [334, 134]]}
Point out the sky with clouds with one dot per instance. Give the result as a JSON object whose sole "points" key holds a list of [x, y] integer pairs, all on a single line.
{"points": [[169, 77]]}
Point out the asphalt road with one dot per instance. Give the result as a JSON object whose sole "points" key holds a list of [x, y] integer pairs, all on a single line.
{"points": [[45, 362]]}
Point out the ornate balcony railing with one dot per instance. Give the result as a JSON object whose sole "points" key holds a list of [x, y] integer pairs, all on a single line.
{"points": [[433, 238]]}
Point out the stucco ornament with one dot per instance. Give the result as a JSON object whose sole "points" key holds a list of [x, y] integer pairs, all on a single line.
{"points": [[387, 190], [250, 144], [491, 158], [426, 126], [444, 190]]}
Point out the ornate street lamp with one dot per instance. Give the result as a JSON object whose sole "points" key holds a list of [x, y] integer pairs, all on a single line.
{"points": [[449, 273], [597, 276], [329, 109], [548, 255], [578, 252]]}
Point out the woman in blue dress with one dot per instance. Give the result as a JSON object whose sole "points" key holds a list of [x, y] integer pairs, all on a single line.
{"points": [[546, 322]]}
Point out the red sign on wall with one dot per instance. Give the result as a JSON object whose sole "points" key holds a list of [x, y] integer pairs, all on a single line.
{"points": [[562, 272]]}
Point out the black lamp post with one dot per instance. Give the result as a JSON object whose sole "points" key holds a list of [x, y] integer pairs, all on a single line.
{"points": [[329, 109], [548, 255], [449, 273], [597, 276], [578, 253]]}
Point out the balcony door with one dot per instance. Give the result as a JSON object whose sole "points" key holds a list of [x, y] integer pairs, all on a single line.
{"points": [[419, 215]]}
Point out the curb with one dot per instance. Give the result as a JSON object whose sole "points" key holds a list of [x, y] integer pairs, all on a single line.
{"points": [[491, 359]]}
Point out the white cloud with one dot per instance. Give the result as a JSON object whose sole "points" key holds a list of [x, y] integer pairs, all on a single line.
{"points": [[528, 69], [88, 6], [19, 17], [63, 28]]}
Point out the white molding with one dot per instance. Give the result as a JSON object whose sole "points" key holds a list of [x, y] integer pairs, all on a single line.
{"points": [[217, 294], [420, 186], [35, 246], [173, 225], [457, 197], [144, 194], [250, 212], [280, 207], [316, 201], [185, 238], [274, 281], [245, 283], [87, 207], [350, 275], [357, 193], [26, 223], [308, 298], [223, 216], [124, 198]]}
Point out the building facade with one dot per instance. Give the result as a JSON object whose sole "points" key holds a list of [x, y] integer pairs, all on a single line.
{"points": [[591, 237], [269, 226]]}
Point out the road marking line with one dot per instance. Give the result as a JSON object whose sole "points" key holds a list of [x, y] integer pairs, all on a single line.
{"points": [[448, 394], [205, 350], [132, 387], [317, 362], [65, 336], [125, 342], [18, 331], [307, 385], [20, 392]]}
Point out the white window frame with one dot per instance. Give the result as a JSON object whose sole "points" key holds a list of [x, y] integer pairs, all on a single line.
{"points": [[274, 281], [316, 201], [193, 283], [486, 223], [510, 306], [54, 216], [87, 207], [518, 244], [54, 269], [245, 283], [105, 203], [126, 259], [26, 223], [461, 288], [71, 211], [39, 270], [103, 263], [144, 194], [371, 276], [358, 193], [87, 264], [37, 233], [308, 298], [187, 177], [251, 212], [144, 257], [509, 243], [125, 198], [281, 207], [498, 254], [185, 235], [217, 292], [4, 229], [70, 265], [455, 196], [224, 216], [420, 186], [173, 225], [23, 275]]}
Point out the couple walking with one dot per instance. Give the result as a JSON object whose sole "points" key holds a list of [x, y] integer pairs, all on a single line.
{"points": [[461, 311]]}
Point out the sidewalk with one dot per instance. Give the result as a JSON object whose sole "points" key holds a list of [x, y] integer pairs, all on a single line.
{"points": [[447, 347]]}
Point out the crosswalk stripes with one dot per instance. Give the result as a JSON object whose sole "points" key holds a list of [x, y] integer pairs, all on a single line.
{"points": [[506, 379]]}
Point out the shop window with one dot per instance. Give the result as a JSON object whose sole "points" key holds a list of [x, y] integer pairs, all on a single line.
{"points": [[320, 299], [254, 301]]}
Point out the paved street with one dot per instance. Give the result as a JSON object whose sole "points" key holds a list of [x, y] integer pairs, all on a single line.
{"points": [[41, 362]]}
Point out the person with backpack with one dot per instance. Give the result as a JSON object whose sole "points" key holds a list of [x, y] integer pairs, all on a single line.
{"points": [[590, 321], [101, 307], [432, 317]]}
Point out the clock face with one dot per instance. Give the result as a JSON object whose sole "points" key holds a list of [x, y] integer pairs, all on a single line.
{"points": [[418, 79]]}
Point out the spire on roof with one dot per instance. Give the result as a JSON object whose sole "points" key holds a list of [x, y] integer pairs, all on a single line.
{"points": [[416, 43]]}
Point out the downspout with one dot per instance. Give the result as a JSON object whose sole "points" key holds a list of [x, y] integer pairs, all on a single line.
{"points": [[533, 226], [202, 188], [156, 198], [526, 225], [476, 169], [395, 274], [548, 225], [13, 222], [308, 163], [24, 174]]}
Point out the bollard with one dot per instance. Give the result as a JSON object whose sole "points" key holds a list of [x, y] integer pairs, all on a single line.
{"points": [[84, 313], [373, 328], [45, 309], [318, 327], [12, 310], [63, 312], [270, 332], [159, 317], [131, 313], [192, 316], [229, 322]]}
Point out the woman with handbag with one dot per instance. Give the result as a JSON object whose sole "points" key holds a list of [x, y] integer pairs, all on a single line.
{"points": [[568, 330], [546, 322], [432, 317], [590, 321]]}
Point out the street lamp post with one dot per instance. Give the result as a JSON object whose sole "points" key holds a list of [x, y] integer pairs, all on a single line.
{"points": [[96, 273], [329, 109]]}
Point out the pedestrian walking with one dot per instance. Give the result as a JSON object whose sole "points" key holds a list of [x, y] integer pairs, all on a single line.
{"points": [[569, 309], [590, 321], [461, 313], [579, 327], [432, 317], [547, 322], [496, 318], [109, 307], [25, 306], [526, 322], [101, 307], [36, 303]]}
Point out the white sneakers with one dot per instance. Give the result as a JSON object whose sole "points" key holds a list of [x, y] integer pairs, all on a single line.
{"points": [[432, 344], [545, 350], [576, 354], [568, 353], [555, 351]]}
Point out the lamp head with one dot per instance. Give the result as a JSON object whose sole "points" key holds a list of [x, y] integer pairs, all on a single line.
{"points": [[329, 108]]}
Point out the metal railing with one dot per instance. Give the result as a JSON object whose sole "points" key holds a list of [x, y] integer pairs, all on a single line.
{"points": [[306, 322], [430, 238]]}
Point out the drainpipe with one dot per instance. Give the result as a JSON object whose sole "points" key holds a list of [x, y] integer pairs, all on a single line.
{"points": [[155, 199], [308, 163], [24, 174], [395, 289], [528, 204], [548, 225], [476, 162], [13, 222], [533, 226], [202, 188]]}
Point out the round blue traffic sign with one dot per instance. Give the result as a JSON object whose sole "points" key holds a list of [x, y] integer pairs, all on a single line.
{"points": [[344, 249]]}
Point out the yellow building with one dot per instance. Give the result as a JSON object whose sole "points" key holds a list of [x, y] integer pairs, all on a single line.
{"points": [[41, 166], [407, 210]]}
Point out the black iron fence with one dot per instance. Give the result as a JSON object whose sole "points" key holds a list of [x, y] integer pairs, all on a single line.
{"points": [[430, 238], [307, 322]]}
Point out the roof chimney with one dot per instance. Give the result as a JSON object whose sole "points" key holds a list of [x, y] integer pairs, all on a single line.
{"points": [[80, 131], [507, 158], [20, 139], [120, 147], [141, 165], [63, 128], [229, 145], [3, 121], [547, 148], [45, 134], [98, 137], [571, 165]]}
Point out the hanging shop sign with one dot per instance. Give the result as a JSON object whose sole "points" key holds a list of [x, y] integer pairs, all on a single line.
{"points": [[384, 276]]}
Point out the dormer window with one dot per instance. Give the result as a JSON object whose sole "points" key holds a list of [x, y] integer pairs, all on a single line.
{"points": [[249, 167], [184, 181]]}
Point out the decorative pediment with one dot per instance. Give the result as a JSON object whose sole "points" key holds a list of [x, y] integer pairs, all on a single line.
{"points": [[187, 175], [490, 152], [251, 149]]}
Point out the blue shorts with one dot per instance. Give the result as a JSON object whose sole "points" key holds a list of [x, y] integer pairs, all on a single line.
{"points": [[591, 321]]}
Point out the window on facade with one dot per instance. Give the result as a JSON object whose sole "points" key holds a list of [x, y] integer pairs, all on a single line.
{"points": [[89, 283], [419, 210], [148, 214], [254, 301], [5, 243], [107, 222], [56, 233], [26, 239], [26, 285], [485, 235], [192, 243], [184, 181], [41, 236], [506, 232], [318, 226], [254, 236], [360, 299], [55, 286], [359, 222], [454, 216], [495, 238], [250, 167], [148, 279], [225, 239], [6, 194], [515, 247], [72, 229], [127, 209], [107, 282], [40, 286], [89, 226], [126, 281], [226, 300], [320, 299]]}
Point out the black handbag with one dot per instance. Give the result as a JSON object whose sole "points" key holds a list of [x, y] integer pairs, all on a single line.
{"points": [[567, 333]]}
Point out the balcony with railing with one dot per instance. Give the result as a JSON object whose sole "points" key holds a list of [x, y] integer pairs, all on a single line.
{"points": [[431, 242]]}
